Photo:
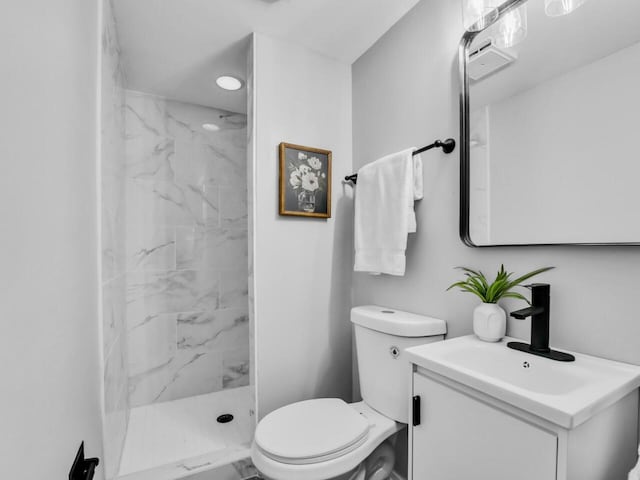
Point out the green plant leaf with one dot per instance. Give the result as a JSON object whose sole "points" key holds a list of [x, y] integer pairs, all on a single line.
{"points": [[457, 284], [476, 282], [497, 289], [483, 280], [468, 270], [527, 276], [475, 292], [516, 295]]}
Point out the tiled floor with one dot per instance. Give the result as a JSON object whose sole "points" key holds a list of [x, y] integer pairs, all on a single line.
{"points": [[241, 470], [176, 439]]}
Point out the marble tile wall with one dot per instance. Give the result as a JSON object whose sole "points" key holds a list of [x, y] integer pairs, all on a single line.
{"points": [[113, 246], [186, 250]]}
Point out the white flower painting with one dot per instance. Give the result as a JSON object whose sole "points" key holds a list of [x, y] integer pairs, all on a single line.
{"points": [[305, 181], [315, 163]]}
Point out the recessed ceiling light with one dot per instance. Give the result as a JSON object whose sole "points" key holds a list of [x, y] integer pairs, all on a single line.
{"points": [[210, 127], [229, 83]]}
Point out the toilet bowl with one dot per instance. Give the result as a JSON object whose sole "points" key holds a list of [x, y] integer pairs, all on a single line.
{"points": [[329, 439], [318, 439]]}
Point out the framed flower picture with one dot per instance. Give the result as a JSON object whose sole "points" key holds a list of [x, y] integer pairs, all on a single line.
{"points": [[305, 181]]}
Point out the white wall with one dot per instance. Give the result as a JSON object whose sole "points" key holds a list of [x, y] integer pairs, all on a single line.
{"points": [[302, 266], [405, 92], [49, 349]]}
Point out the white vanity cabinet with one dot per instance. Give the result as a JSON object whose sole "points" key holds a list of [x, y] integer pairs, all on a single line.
{"points": [[466, 434], [460, 437]]}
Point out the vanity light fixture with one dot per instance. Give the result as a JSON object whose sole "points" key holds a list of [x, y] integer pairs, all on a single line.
{"points": [[511, 29], [229, 82], [479, 14], [210, 127], [556, 8]]}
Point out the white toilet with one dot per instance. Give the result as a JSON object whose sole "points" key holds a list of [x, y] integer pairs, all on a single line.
{"points": [[326, 438]]}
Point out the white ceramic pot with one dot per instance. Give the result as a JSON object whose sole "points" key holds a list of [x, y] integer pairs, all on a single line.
{"points": [[489, 322]]}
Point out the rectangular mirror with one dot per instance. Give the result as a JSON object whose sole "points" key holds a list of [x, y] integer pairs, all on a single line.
{"points": [[550, 126]]}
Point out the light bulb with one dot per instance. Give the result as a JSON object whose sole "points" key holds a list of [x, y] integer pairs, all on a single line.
{"points": [[229, 82], [479, 14], [511, 29], [555, 8]]}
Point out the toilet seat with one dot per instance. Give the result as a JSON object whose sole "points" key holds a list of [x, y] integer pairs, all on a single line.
{"points": [[380, 428], [311, 431]]}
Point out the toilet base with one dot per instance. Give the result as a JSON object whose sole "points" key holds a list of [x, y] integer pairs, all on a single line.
{"points": [[351, 475], [358, 473]]}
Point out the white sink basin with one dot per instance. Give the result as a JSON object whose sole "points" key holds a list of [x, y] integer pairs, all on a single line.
{"points": [[565, 393]]}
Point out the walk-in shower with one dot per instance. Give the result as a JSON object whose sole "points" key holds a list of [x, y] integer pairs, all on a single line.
{"points": [[174, 279]]}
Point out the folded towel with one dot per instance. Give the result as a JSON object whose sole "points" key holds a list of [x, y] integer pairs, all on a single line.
{"points": [[384, 215]]}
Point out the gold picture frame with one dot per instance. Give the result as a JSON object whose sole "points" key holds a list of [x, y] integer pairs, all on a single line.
{"points": [[305, 181]]}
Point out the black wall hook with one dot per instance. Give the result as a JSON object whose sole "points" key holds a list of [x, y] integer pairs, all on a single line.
{"points": [[83, 468]]}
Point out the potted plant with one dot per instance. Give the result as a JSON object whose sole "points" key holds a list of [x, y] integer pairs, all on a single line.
{"points": [[489, 319]]}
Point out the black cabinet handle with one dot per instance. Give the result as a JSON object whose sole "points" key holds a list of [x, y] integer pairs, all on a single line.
{"points": [[416, 410]]}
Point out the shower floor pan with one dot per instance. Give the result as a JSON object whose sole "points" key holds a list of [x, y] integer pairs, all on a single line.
{"points": [[180, 438]]}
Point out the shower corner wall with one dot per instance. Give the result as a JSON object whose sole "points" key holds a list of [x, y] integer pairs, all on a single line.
{"points": [[112, 238], [251, 202]]}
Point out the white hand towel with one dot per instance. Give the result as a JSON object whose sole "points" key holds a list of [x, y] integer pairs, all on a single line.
{"points": [[417, 190], [384, 215]]}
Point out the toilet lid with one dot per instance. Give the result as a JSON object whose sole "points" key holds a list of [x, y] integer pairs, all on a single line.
{"points": [[311, 431]]}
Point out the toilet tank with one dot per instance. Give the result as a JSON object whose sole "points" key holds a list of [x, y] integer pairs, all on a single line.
{"points": [[381, 335]]}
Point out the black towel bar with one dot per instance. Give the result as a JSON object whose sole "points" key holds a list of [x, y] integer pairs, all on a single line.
{"points": [[447, 146]]}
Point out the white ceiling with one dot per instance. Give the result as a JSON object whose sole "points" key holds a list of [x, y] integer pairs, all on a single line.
{"points": [[176, 48]]}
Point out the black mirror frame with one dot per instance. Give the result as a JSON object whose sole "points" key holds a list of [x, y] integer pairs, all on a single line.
{"points": [[465, 42]]}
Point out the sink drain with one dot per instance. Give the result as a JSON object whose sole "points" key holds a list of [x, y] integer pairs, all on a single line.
{"points": [[225, 418]]}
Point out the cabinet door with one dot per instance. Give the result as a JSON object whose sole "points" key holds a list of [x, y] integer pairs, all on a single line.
{"points": [[460, 438]]}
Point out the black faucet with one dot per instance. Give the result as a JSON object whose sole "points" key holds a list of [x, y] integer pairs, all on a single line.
{"points": [[539, 313]]}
